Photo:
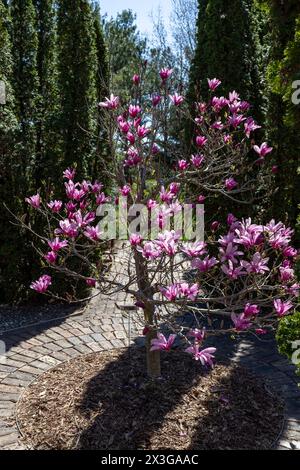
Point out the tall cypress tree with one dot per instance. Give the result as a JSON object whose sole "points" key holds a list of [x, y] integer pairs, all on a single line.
{"points": [[46, 141], [227, 48], [77, 62], [25, 78], [284, 115]]}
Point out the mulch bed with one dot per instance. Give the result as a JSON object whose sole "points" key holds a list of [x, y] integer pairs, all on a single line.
{"points": [[104, 401]]}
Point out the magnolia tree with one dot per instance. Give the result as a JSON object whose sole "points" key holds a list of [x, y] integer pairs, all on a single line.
{"points": [[239, 269]]}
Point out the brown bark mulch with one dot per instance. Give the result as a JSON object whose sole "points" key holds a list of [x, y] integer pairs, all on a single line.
{"points": [[104, 401]]}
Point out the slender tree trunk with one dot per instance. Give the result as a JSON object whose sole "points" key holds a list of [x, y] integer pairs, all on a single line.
{"points": [[145, 288]]}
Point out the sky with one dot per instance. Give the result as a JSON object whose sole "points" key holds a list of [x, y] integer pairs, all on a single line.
{"points": [[142, 8]]}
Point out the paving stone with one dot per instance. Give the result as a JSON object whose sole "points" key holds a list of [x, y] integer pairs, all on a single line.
{"points": [[7, 405], [8, 389], [53, 347], [10, 396], [98, 337], [15, 381], [6, 412], [32, 370], [8, 439], [83, 348], [87, 339], [75, 340], [39, 364]]}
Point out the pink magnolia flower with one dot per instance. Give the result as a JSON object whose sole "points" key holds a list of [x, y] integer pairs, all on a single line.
{"points": [[135, 239], [199, 335], [230, 184], [263, 150], [55, 206], [274, 169], [57, 244], [188, 291], [154, 149], [93, 233], [217, 125], [231, 219], [91, 282], [236, 120], [165, 73], [282, 307], [197, 160], [293, 290], [171, 293], [261, 331], [175, 188], [233, 96], [134, 110], [194, 250], [201, 107], [233, 272], [213, 83], [125, 191], [204, 265], [249, 234], [289, 252], [110, 103], [68, 228], [142, 132], [250, 126], [51, 257], [161, 343], [286, 273], [241, 323], [227, 138], [166, 196], [201, 140], [176, 99], [251, 310], [131, 138], [136, 79], [257, 265], [42, 284], [156, 99], [69, 173], [102, 199], [151, 204], [34, 201], [215, 225], [150, 251], [183, 165], [201, 198], [230, 253], [133, 158], [167, 242], [205, 356], [124, 126]]}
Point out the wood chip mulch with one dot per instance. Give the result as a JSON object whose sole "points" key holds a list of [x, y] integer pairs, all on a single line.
{"points": [[104, 401]]}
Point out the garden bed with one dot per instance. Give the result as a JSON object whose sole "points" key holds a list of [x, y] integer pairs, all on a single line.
{"points": [[104, 401]]}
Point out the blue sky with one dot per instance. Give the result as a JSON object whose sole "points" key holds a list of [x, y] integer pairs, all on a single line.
{"points": [[141, 7]]}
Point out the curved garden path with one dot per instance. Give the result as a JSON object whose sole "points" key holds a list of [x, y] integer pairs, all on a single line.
{"points": [[104, 324]]}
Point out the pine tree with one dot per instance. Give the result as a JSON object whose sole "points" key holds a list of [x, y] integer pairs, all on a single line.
{"points": [[283, 115], [77, 63], [25, 80], [46, 125]]}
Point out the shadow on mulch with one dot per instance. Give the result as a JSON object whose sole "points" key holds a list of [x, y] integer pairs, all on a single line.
{"points": [[105, 401]]}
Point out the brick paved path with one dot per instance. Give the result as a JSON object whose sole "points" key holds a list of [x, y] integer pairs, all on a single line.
{"points": [[33, 350]]}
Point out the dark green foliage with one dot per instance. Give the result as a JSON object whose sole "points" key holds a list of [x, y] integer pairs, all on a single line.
{"points": [[287, 333], [283, 117], [228, 48], [77, 65]]}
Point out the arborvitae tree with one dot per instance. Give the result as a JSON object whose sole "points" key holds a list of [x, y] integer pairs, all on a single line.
{"points": [[25, 79], [46, 140], [77, 64], [227, 49], [283, 116], [101, 160]]}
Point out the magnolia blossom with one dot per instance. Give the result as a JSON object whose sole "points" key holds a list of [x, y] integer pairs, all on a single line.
{"points": [[68, 228], [93, 233], [42, 284], [205, 356], [136, 79], [69, 173], [125, 191], [142, 132], [257, 265], [230, 184], [230, 253], [165, 73], [199, 335], [201, 140], [110, 103], [286, 273], [282, 307], [213, 83], [233, 272], [171, 293], [57, 244], [251, 310], [263, 150], [197, 160], [176, 99], [161, 343], [135, 239], [51, 257], [167, 242], [91, 282], [250, 126], [150, 251], [204, 265], [241, 322], [55, 206], [183, 165], [34, 201], [156, 99], [201, 198], [188, 291], [194, 250]]}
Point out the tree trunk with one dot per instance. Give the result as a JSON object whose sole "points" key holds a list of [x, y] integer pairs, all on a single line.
{"points": [[145, 288]]}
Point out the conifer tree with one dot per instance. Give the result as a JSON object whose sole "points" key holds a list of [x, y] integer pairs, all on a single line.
{"points": [[77, 64]]}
